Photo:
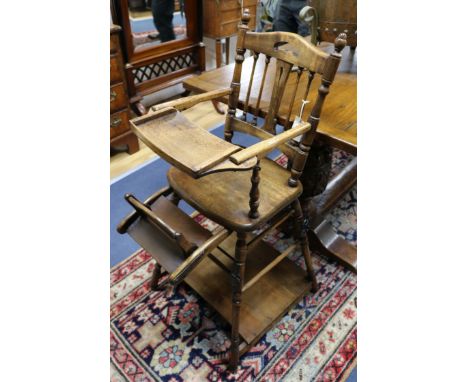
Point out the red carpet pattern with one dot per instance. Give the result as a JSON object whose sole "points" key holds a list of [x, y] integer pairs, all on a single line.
{"points": [[156, 336]]}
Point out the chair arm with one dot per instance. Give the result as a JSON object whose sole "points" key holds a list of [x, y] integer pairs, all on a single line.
{"points": [[262, 148], [133, 216], [182, 270], [160, 224], [187, 102]]}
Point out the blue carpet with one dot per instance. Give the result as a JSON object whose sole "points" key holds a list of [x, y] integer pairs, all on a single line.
{"points": [[142, 182]]}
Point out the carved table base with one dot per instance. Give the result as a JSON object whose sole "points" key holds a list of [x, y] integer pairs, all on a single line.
{"points": [[320, 196]]}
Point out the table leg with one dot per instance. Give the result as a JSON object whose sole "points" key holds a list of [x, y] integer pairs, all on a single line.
{"points": [[319, 196], [218, 53], [217, 106], [226, 46]]}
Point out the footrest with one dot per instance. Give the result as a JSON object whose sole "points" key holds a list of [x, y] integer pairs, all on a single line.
{"points": [[167, 251]]}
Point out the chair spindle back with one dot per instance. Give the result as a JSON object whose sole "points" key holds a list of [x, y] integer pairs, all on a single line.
{"points": [[287, 51]]}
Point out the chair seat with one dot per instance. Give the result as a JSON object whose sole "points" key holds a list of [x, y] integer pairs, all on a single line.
{"points": [[224, 197]]}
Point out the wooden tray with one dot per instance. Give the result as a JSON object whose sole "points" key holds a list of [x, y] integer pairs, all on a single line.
{"points": [[186, 146]]}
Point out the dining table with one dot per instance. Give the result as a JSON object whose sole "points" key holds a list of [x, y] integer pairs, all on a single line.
{"points": [[323, 186]]}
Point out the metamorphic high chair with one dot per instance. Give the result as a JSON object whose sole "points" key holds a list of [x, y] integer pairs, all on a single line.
{"points": [[250, 284]]}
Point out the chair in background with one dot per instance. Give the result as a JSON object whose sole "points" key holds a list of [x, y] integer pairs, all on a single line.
{"points": [[329, 18], [249, 283]]}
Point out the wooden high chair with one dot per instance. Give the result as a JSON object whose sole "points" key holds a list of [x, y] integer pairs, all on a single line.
{"points": [[249, 283]]}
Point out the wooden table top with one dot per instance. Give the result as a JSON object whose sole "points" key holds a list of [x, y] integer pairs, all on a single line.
{"points": [[338, 125]]}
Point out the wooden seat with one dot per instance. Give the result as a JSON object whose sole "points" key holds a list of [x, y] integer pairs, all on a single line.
{"points": [[227, 204]]}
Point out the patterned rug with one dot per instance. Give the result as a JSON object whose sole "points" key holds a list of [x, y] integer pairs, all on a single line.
{"points": [[141, 38], [160, 337], [142, 27]]}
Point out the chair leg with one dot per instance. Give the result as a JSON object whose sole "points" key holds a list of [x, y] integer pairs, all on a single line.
{"points": [[155, 277], [174, 198], [237, 284], [301, 235], [254, 192]]}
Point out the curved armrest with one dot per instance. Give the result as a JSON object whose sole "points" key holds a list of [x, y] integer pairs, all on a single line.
{"points": [[183, 269], [133, 216], [262, 148], [187, 102]]}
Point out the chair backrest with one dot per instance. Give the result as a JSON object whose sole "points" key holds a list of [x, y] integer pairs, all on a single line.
{"points": [[287, 50]]}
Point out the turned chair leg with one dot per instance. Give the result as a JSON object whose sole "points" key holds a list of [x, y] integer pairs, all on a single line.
{"points": [[237, 284], [301, 235], [254, 192], [155, 277]]}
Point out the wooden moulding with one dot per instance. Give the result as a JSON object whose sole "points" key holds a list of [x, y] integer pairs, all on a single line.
{"points": [[261, 307]]}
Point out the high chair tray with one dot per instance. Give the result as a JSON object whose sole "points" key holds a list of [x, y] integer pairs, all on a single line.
{"points": [[177, 140]]}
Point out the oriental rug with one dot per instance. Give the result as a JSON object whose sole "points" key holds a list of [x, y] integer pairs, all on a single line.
{"points": [[142, 27], [156, 336]]}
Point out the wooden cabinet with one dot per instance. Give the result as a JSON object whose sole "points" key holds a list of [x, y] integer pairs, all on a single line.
{"points": [[220, 21], [121, 138], [154, 65], [335, 17]]}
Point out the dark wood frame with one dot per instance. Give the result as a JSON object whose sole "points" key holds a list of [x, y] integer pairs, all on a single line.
{"points": [[140, 58]]}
